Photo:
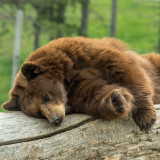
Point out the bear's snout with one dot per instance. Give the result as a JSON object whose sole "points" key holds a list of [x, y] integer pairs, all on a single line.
{"points": [[55, 113], [57, 120]]}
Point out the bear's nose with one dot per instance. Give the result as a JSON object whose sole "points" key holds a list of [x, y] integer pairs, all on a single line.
{"points": [[57, 120]]}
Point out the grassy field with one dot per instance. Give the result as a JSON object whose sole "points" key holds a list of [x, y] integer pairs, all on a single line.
{"points": [[137, 24]]}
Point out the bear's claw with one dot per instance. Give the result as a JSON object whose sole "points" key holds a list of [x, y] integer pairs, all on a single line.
{"points": [[118, 101], [145, 124]]}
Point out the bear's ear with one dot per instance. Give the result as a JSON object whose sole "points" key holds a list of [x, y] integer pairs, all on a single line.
{"points": [[11, 105], [31, 70]]}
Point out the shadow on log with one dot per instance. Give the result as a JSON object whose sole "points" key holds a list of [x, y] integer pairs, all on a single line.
{"points": [[80, 137]]}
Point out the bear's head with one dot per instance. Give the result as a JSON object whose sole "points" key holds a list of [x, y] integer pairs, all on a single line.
{"points": [[39, 91]]}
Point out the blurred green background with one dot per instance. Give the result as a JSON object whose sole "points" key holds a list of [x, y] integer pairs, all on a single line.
{"points": [[137, 24]]}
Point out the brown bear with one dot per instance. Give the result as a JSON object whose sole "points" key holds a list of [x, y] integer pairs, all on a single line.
{"points": [[102, 78]]}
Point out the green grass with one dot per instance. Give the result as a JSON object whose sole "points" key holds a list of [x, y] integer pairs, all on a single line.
{"points": [[137, 24], [5, 78]]}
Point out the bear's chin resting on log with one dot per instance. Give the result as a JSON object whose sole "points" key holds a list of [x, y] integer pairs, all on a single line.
{"points": [[102, 78]]}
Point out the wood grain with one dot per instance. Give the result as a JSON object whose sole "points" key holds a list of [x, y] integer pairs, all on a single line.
{"points": [[80, 137]]}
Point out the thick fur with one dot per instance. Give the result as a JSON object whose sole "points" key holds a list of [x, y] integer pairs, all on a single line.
{"points": [[102, 78]]}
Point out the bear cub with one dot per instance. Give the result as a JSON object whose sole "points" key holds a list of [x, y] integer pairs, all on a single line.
{"points": [[99, 77]]}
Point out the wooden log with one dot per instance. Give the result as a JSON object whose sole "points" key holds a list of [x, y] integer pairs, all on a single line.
{"points": [[80, 137]]}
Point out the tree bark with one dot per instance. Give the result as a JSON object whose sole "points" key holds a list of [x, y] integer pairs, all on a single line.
{"points": [[37, 36], [159, 31], [79, 137], [17, 42], [37, 28], [84, 18], [113, 18]]}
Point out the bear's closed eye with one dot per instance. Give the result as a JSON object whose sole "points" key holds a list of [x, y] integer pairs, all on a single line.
{"points": [[45, 98]]}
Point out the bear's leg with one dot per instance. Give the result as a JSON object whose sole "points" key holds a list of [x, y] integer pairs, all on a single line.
{"points": [[141, 87], [116, 103], [144, 113], [96, 98], [155, 72]]}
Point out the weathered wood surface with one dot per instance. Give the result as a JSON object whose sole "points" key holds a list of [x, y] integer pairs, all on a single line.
{"points": [[80, 137]]}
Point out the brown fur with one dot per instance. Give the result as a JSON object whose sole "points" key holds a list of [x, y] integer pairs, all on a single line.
{"points": [[98, 77]]}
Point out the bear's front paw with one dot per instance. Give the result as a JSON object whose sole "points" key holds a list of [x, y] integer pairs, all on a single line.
{"points": [[119, 101], [116, 104], [145, 119]]}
